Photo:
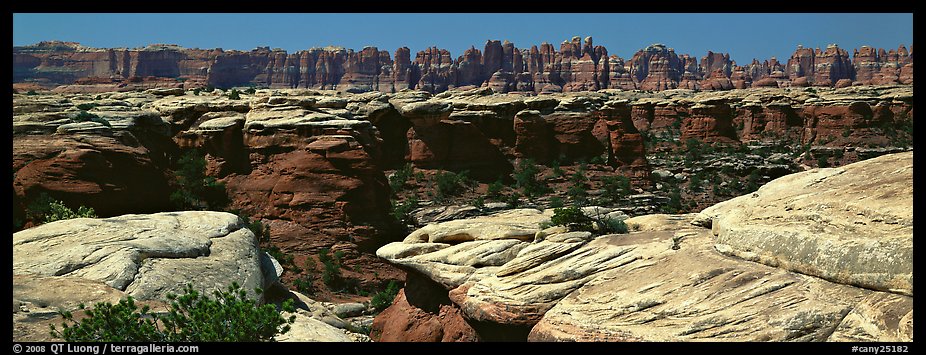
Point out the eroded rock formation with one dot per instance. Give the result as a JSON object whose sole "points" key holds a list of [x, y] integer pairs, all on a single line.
{"points": [[577, 66], [671, 279]]}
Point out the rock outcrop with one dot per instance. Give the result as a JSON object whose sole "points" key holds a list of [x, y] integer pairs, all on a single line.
{"points": [[145, 256], [817, 223], [550, 285]]}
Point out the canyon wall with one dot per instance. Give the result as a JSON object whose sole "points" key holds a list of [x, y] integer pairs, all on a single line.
{"points": [[579, 65]]}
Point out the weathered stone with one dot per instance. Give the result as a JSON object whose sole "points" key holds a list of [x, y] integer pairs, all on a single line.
{"points": [[852, 224], [147, 256]]}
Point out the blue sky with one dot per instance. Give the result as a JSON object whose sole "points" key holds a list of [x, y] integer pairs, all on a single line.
{"points": [[744, 36]]}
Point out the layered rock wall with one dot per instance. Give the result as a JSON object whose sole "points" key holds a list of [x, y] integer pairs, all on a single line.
{"points": [[577, 66]]}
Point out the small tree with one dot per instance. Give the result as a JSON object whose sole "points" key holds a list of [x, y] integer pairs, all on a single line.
{"points": [[572, 218]]}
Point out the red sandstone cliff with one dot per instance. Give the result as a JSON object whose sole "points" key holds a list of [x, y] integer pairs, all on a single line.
{"points": [[579, 65]]}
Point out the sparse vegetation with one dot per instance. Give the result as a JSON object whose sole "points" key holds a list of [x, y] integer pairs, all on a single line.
{"points": [[86, 106], [331, 267], [228, 316], [451, 184], [234, 94], [382, 300], [525, 177], [401, 211], [84, 116], [615, 187], [572, 218], [556, 202], [196, 191], [494, 190], [45, 209], [399, 178]]}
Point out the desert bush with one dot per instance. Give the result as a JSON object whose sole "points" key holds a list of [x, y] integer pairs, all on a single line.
{"points": [[382, 300], [675, 202], [526, 179], [572, 218], [695, 184], [402, 211], [86, 106], [45, 209], [84, 116], [234, 94], [250, 91], [31, 92], [615, 187], [196, 191], [231, 316], [331, 267], [479, 202], [557, 170], [399, 178], [611, 226], [513, 200], [556, 202], [451, 184], [494, 190]]}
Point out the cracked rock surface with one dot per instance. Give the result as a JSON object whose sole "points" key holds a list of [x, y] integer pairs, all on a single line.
{"points": [[145, 256]]}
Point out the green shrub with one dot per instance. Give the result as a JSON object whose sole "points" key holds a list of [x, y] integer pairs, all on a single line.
{"points": [[451, 184], [822, 161], [196, 91], [45, 209], [578, 194], [513, 200], [402, 212], [231, 316], [557, 170], [382, 300], [398, 179], [196, 191], [615, 187], [84, 116], [675, 202], [250, 91], [31, 92], [479, 202], [494, 190], [572, 218], [695, 183], [525, 177], [556, 202], [234, 94], [86, 106], [331, 263], [752, 182], [611, 226]]}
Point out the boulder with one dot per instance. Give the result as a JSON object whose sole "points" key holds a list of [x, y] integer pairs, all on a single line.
{"points": [[851, 225], [146, 256]]}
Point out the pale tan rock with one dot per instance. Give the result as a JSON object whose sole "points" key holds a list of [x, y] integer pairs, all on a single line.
{"points": [[521, 224], [147, 256], [881, 316], [309, 329], [852, 224], [694, 293]]}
